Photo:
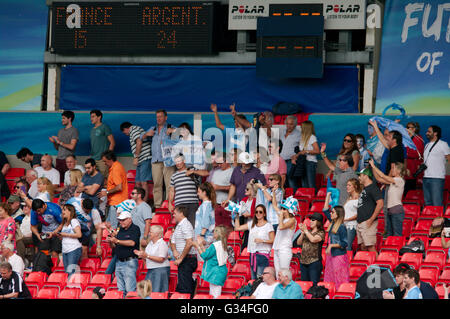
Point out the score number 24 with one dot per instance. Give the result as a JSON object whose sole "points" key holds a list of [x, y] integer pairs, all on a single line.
{"points": [[167, 39]]}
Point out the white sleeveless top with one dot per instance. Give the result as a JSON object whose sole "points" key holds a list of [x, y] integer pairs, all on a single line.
{"points": [[284, 237]]}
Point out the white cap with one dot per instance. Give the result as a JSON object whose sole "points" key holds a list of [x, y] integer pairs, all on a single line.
{"points": [[246, 158], [124, 215]]}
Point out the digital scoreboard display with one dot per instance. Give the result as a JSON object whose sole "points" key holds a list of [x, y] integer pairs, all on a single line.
{"points": [[132, 28]]}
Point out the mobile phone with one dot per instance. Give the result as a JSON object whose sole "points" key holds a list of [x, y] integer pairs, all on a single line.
{"points": [[23, 189]]}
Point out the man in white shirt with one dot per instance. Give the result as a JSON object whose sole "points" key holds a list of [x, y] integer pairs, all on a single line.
{"points": [[46, 170], [31, 177], [436, 154], [220, 179], [266, 288], [71, 163], [290, 137], [15, 260]]}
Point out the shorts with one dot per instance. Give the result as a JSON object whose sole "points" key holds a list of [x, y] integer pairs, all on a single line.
{"points": [[367, 236], [144, 171]]}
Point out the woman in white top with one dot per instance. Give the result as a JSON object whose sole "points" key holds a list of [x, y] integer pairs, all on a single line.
{"points": [[310, 147], [70, 232], [354, 189], [260, 240], [45, 191], [396, 185], [156, 255], [287, 223]]}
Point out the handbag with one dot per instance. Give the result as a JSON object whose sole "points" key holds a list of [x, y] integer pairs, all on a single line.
{"points": [[423, 166]]}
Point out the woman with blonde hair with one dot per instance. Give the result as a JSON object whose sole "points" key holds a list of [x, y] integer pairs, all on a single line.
{"points": [[215, 258], [337, 263], [71, 190], [308, 147], [144, 289], [45, 189], [354, 189], [396, 185]]}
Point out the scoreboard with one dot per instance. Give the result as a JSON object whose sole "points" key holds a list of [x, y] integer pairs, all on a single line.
{"points": [[132, 28]]}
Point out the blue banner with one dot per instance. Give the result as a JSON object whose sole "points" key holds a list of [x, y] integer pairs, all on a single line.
{"points": [[193, 88], [415, 62]]}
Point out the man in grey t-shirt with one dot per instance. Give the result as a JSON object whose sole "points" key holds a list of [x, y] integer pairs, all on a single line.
{"points": [[141, 214], [65, 142], [220, 179], [343, 171]]}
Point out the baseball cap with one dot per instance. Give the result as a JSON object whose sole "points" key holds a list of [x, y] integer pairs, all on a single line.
{"points": [[366, 171], [124, 215], [246, 158], [13, 199], [317, 216]]}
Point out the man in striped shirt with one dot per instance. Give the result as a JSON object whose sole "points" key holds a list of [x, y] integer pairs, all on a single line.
{"points": [[183, 250], [183, 190], [142, 153]]}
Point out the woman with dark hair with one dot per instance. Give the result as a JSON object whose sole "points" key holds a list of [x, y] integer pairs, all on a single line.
{"points": [[70, 232], [311, 241], [7, 224], [337, 265], [350, 147], [413, 157], [260, 240]]}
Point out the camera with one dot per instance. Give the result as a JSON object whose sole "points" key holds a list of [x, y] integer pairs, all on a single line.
{"points": [[421, 168], [44, 236], [255, 181]]}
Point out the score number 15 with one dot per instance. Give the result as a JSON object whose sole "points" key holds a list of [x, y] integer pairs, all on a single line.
{"points": [[167, 39]]}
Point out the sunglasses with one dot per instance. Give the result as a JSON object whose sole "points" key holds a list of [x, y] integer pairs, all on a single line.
{"points": [[348, 141], [259, 212], [408, 127], [342, 160]]}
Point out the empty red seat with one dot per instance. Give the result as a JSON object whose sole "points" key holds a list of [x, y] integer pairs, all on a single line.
{"points": [[113, 294], [288, 191], [70, 293], [429, 275], [131, 175], [364, 257], [48, 293], [387, 258], [87, 294], [79, 280], [132, 295], [330, 286], [305, 285], [90, 265], [234, 237], [412, 211], [159, 295], [37, 278], [422, 226], [57, 279], [304, 192], [203, 296], [414, 196], [317, 206], [33, 289], [412, 259], [15, 172], [434, 259], [444, 277], [101, 280], [356, 271], [241, 270], [177, 295], [346, 290], [432, 211], [232, 284], [226, 297], [162, 219]]}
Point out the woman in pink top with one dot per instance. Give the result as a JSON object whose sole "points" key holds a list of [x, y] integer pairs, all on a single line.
{"points": [[7, 224]]}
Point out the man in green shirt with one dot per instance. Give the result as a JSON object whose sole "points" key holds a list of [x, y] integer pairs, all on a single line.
{"points": [[102, 140]]}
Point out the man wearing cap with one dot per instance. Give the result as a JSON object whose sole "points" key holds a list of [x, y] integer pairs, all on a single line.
{"points": [[18, 215], [370, 203], [123, 244], [241, 176]]}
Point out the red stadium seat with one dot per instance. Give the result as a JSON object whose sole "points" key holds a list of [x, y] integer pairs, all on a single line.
{"points": [[132, 295], [159, 295], [104, 265], [100, 279], [436, 244], [131, 175], [162, 219], [241, 270], [440, 291], [79, 280], [407, 227], [356, 271], [203, 296], [444, 277], [422, 227], [412, 211], [346, 290], [321, 193], [48, 293], [364, 258], [15, 172], [432, 211], [429, 275], [317, 206], [178, 295], [234, 237], [57, 279], [412, 259], [226, 297], [90, 265], [173, 279], [435, 260], [70, 293], [414, 196], [113, 294], [288, 191], [330, 286], [203, 287], [394, 243], [388, 259], [37, 278], [33, 289], [305, 193], [232, 284], [305, 285], [87, 294]]}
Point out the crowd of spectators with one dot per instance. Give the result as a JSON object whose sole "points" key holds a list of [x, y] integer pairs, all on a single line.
{"points": [[61, 208]]}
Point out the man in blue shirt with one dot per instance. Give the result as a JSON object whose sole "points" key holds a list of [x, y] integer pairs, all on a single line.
{"points": [[411, 281], [287, 289], [45, 219], [160, 173]]}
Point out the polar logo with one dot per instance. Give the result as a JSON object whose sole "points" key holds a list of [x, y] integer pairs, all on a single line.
{"points": [[340, 8], [247, 9]]}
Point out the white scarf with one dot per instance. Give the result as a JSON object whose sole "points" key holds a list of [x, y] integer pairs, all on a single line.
{"points": [[221, 254]]}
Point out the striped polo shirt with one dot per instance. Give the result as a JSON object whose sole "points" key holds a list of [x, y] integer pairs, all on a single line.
{"points": [[146, 149], [182, 232], [185, 189]]}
